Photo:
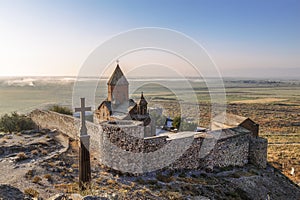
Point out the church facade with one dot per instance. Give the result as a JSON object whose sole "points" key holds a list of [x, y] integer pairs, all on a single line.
{"points": [[118, 106]]}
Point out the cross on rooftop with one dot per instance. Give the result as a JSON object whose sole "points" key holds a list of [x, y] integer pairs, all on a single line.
{"points": [[82, 109]]}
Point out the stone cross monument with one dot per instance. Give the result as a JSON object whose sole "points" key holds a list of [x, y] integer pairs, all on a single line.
{"points": [[84, 154]]}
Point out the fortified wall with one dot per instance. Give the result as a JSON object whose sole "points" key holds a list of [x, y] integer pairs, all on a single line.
{"points": [[122, 145]]}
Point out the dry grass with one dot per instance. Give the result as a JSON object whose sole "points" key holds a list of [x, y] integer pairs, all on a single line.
{"points": [[192, 180], [74, 165], [67, 188], [19, 134], [171, 195], [262, 101], [284, 158], [4, 141], [51, 164], [7, 137], [283, 138], [31, 192]]}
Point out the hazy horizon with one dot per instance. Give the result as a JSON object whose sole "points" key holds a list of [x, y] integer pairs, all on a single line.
{"points": [[260, 73]]}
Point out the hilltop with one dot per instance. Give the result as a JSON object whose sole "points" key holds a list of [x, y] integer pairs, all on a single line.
{"points": [[44, 164]]}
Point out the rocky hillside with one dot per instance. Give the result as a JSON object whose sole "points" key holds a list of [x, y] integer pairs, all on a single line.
{"points": [[43, 165]]}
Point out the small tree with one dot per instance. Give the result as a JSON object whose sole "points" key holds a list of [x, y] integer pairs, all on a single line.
{"points": [[177, 122], [7, 124], [183, 125], [15, 122]]}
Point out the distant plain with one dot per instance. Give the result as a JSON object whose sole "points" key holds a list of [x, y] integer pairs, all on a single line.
{"points": [[274, 104]]}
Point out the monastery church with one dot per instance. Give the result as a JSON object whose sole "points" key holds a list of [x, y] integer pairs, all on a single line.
{"points": [[120, 121], [118, 106]]}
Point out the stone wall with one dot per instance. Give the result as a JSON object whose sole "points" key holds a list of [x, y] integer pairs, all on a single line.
{"points": [[191, 158], [232, 151], [66, 124], [258, 151], [122, 146]]}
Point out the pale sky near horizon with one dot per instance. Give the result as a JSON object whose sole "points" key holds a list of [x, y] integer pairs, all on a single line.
{"points": [[248, 38]]}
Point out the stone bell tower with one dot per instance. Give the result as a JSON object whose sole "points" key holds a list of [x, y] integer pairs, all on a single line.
{"points": [[117, 88], [142, 106]]}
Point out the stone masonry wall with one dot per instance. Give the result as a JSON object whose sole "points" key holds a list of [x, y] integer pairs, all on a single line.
{"points": [[258, 151], [232, 151], [66, 124], [122, 146]]}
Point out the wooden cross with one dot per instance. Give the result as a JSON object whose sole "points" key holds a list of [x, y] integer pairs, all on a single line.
{"points": [[82, 109]]}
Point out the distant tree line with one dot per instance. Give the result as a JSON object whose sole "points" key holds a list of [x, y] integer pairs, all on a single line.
{"points": [[61, 110]]}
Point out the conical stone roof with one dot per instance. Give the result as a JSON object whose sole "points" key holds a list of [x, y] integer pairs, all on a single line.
{"points": [[117, 78]]}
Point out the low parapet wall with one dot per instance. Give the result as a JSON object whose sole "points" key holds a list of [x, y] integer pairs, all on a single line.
{"points": [[123, 147], [66, 124]]}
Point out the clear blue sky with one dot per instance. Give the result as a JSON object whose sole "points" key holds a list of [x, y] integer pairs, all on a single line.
{"points": [[245, 38]]}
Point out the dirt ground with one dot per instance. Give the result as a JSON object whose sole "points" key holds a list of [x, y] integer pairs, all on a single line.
{"points": [[37, 160]]}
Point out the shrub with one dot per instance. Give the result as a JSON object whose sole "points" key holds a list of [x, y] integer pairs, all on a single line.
{"points": [[164, 178], [15, 122], [31, 192], [36, 179], [151, 182], [176, 122], [48, 177], [61, 110], [34, 152], [171, 195], [140, 181], [111, 182], [29, 174], [21, 156], [44, 151], [182, 125], [67, 188]]}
